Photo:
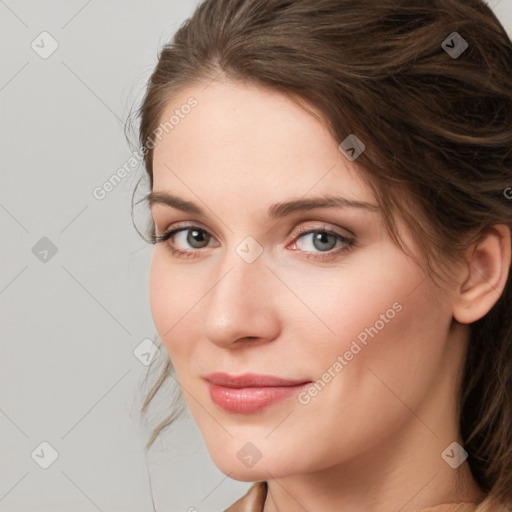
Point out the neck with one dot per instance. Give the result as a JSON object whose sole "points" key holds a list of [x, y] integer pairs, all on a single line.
{"points": [[405, 471]]}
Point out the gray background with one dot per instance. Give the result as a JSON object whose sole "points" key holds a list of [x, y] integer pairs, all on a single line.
{"points": [[70, 321]]}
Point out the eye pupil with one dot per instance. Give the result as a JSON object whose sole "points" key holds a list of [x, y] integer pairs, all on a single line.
{"points": [[196, 237], [322, 237]]}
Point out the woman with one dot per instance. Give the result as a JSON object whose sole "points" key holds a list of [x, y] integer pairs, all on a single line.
{"points": [[331, 208]]}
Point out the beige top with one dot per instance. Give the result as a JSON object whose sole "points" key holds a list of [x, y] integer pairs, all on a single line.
{"points": [[254, 500]]}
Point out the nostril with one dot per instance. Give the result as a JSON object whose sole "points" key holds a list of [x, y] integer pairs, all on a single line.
{"points": [[249, 338]]}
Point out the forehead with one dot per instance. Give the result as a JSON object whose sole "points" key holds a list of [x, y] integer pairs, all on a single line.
{"points": [[250, 139]]}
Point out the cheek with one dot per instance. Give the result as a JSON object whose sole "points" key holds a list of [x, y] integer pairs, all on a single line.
{"points": [[391, 330], [382, 318], [171, 296], [160, 301], [360, 297]]}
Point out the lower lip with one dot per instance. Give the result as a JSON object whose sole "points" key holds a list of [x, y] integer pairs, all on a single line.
{"points": [[251, 400]]}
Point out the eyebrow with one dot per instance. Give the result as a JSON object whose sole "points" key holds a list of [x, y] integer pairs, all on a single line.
{"points": [[275, 211]]}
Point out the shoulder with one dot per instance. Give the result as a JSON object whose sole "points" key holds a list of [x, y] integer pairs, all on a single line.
{"points": [[253, 501]]}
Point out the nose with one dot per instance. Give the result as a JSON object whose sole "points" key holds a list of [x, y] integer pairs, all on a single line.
{"points": [[241, 306]]}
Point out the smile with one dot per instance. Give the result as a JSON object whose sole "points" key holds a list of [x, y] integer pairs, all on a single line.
{"points": [[250, 393]]}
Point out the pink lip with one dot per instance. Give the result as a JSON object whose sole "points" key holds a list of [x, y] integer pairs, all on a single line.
{"points": [[250, 393]]}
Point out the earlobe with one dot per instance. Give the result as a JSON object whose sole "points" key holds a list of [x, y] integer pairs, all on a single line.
{"points": [[485, 271]]}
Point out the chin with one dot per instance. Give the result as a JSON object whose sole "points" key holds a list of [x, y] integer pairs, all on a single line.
{"points": [[237, 471], [250, 475], [262, 469]]}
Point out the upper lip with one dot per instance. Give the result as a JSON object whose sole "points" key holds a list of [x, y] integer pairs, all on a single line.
{"points": [[251, 380]]}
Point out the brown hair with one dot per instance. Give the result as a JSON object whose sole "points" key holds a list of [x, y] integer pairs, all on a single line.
{"points": [[438, 135]]}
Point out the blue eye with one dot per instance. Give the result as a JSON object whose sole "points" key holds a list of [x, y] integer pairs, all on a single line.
{"points": [[322, 243], [322, 240], [196, 237]]}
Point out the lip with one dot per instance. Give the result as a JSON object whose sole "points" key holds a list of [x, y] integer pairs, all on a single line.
{"points": [[250, 393]]}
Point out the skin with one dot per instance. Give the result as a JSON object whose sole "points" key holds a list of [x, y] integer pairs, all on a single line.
{"points": [[372, 438]]}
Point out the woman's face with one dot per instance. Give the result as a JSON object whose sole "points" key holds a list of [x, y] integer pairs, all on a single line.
{"points": [[344, 309]]}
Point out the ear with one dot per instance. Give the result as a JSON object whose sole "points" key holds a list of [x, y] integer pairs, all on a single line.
{"points": [[483, 274]]}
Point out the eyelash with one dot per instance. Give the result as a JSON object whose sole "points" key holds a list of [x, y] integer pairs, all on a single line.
{"points": [[347, 242]]}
